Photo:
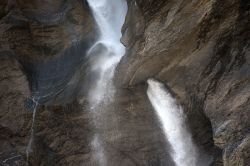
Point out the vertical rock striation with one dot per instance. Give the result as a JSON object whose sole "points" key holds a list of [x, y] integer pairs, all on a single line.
{"points": [[200, 49], [42, 51]]}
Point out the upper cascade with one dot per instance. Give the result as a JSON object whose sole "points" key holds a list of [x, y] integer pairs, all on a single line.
{"points": [[109, 16]]}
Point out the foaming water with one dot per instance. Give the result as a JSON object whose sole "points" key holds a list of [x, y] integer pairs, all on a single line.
{"points": [[109, 16], [97, 147], [104, 56], [173, 124], [29, 146]]}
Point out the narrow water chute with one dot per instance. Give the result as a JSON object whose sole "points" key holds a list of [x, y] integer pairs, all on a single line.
{"points": [[105, 54], [29, 146], [109, 16], [172, 119]]}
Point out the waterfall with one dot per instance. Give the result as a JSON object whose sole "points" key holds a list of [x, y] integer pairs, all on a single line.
{"points": [[104, 56], [29, 146], [172, 119], [108, 50], [99, 154]]}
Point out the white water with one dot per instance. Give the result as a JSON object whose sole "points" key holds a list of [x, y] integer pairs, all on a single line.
{"points": [[29, 146], [109, 16], [104, 56], [173, 124], [99, 153]]}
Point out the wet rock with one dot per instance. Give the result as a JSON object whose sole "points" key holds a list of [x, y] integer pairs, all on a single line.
{"points": [[42, 48], [200, 49], [50, 40], [14, 117], [238, 153], [121, 133], [12, 158]]}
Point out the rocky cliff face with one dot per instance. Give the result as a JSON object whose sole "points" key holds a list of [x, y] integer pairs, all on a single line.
{"points": [[42, 48], [200, 49], [14, 123], [50, 40]]}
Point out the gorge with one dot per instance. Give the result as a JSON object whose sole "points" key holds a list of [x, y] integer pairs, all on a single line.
{"points": [[124, 82]]}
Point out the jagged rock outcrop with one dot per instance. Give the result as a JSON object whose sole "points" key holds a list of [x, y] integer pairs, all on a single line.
{"points": [[200, 49]]}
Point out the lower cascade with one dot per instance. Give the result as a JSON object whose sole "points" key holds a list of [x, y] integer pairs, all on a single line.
{"points": [[172, 120]]}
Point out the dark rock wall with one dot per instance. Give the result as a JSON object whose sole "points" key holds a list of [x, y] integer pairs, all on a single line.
{"points": [[124, 133], [50, 39], [200, 49], [42, 48], [14, 117]]}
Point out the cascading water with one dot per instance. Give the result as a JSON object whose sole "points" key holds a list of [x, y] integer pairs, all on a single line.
{"points": [[104, 56], [109, 16], [99, 154], [29, 146], [173, 124]]}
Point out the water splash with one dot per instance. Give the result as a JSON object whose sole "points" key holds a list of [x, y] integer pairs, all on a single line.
{"points": [[109, 16], [29, 146], [172, 119], [97, 147], [104, 56]]}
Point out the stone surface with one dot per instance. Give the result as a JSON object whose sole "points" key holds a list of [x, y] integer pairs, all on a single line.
{"points": [[14, 117], [200, 49], [42, 46], [124, 133], [50, 39]]}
